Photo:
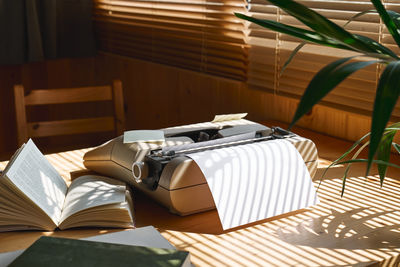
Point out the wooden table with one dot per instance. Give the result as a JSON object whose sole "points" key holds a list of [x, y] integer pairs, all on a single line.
{"points": [[362, 228]]}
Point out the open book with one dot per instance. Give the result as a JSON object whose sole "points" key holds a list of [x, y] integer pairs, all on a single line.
{"points": [[33, 195]]}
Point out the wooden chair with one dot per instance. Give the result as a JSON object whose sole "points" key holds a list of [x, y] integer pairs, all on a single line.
{"points": [[68, 95]]}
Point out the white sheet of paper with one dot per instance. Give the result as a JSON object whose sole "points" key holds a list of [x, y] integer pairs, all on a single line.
{"points": [[156, 136], [229, 117], [256, 181]]}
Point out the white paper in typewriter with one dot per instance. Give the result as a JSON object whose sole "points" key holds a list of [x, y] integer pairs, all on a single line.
{"points": [[256, 181]]}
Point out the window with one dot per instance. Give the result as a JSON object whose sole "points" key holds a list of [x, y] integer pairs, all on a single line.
{"points": [[205, 36], [201, 35]]}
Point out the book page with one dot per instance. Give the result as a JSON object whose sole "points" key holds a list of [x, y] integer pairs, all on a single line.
{"points": [[92, 191], [33, 175], [14, 156]]}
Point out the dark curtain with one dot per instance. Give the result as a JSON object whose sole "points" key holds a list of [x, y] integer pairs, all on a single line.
{"points": [[34, 30]]}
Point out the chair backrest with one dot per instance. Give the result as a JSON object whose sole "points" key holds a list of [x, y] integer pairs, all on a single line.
{"points": [[27, 129]]}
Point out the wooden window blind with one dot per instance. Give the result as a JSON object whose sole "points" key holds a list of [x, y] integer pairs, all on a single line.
{"points": [[269, 51], [201, 35]]}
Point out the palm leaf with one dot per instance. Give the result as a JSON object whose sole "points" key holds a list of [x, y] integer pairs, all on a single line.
{"points": [[384, 148], [366, 161], [395, 17], [294, 31], [346, 171], [397, 147], [324, 26], [354, 160], [386, 52], [387, 94], [345, 154], [294, 52], [325, 32], [384, 153], [358, 15], [324, 81], [392, 128], [387, 19]]}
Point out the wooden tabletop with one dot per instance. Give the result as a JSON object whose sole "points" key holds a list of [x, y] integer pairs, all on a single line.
{"points": [[362, 228]]}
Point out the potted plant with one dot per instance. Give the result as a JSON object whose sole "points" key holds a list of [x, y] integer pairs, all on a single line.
{"points": [[323, 31]]}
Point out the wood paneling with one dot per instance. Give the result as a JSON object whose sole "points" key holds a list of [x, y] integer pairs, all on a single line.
{"points": [[9, 75], [158, 96], [67, 127]]}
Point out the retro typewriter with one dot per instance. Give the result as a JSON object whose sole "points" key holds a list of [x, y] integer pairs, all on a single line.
{"points": [[165, 172]]}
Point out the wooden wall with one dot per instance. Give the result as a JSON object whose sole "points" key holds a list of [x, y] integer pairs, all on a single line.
{"points": [[159, 96], [56, 73]]}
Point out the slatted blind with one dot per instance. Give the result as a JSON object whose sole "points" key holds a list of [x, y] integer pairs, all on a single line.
{"points": [[269, 51], [202, 35]]}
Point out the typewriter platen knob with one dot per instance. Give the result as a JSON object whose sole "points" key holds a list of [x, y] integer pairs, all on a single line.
{"points": [[139, 171]]}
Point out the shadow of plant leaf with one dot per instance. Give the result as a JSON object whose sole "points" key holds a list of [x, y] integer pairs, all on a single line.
{"points": [[362, 228]]}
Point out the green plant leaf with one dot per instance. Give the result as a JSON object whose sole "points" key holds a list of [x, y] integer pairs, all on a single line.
{"points": [[354, 160], [345, 154], [344, 178], [394, 15], [377, 50], [324, 81], [366, 161], [386, 52], [384, 148], [387, 94], [322, 25], [383, 153], [392, 128], [397, 147], [296, 32], [346, 171], [387, 19], [294, 52], [358, 15]]}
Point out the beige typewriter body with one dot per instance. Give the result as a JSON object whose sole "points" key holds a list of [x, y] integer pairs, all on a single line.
{"points": [[181, 188]]}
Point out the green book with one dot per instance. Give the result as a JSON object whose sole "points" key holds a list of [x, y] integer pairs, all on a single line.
{"points": [[52, 251]]}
